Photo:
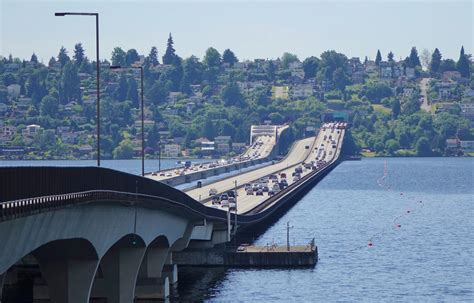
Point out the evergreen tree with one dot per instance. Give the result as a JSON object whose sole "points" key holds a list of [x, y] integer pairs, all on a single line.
{"points": [[169, 55], [229, 57], [463, 64], [51, 62], [414, 59], [378, 58], [63, 58], [70, 84], [435, 62], [78, 54], [193, 70], [132, 93], [34, 58], [390, 56], [122, 89], [153, 56], [232, 96], [118, 56]]}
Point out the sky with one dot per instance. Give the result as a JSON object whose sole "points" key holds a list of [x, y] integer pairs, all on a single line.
{"points": [[251, 29]]}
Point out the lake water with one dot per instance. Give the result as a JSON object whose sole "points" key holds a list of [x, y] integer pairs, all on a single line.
{"points": [[421, 251], [429, 258]]}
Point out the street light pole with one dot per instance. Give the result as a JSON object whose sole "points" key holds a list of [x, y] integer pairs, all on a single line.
{"points": [[142, 105], [96, 15]]}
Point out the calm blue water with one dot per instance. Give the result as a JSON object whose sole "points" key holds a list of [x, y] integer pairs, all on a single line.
{"points": [[430, 258]]}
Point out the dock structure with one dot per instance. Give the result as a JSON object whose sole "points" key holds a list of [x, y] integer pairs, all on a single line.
{"points": [[249, 256]]}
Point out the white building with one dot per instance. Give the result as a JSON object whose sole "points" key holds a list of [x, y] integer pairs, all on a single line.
{"points": [[172, 150]]}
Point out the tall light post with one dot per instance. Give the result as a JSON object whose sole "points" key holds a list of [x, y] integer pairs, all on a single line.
{"points": [[96, 15], [143, 113]]}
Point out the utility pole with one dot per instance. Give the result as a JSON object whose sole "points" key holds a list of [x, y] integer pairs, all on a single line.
{"points": [[288, 235]]}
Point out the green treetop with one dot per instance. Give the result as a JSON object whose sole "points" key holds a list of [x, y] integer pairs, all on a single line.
{"points": [[170, 53]]}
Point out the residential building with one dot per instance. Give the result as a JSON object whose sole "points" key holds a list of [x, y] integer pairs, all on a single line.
{"points": [[302, 91], [172, 150], [32, 130], [238, 147], [467, 146], [13, 90], [223, 148], [452, 143]]}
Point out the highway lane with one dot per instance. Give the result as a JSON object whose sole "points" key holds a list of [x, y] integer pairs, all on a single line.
{"points": [[321, 149], [298, 153], [261, 148]]}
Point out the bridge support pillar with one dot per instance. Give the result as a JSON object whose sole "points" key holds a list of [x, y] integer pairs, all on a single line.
{"points": [[120, 269], [69, 280], [171, 272], [151, 283], [2, 280]]}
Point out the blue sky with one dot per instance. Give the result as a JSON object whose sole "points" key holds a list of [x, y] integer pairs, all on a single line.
{"points": [[252, 29]]}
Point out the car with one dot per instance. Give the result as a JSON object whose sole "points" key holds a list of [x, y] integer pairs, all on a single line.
{"points": [[215, 200], [259, 192], [271, 193], [162, 174], [225, 203], [232, 206], [168, 175], [265, 188], [231, 199], [249, 191], [224, 197], [154, 173], [212, 192]]}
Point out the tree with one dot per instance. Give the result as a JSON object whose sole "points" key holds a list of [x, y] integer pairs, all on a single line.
{"points": [[63, 58], [330, 61], [70, 83], [426, 58], [463, 64], [131, 57], [118, 56], [390, 56], [229, 57], [78, 54], [270, 71], [122, 89], [153, 56], [340, 78], [132, 93], [170, 51], [392, 146], [447, 65], [396, 108], [51, 62], [192, 70], [423, 147], [212, 58], [378, 58], [310, 67], [232, 96], [124, 150], [49, 106], [435, 62], [34, 58], [287, 59], [414, 60]]}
